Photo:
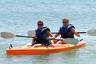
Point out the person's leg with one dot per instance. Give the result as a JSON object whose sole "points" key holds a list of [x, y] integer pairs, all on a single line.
{"points": [[53, 41], [37, 43], [46, 43], [61, 42]]}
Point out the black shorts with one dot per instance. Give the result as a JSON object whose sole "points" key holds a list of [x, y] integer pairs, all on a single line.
{"points": [[42, 41]]}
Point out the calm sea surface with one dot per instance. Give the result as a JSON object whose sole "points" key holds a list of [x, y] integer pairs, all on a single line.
{"points": [[20, 16]]}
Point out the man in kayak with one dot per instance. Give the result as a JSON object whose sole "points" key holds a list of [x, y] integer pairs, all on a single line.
{"points": [[42, 35], [67, 30]]}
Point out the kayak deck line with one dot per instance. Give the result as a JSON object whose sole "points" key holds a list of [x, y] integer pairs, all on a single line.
{"points": [[28, 50]]}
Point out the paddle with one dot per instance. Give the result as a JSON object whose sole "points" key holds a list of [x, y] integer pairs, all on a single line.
{"points": [[91, 32], [31, 34], [9, 35]]}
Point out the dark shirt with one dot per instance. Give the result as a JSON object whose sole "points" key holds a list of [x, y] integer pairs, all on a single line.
{"points": [[42, 36], [66, 31]]}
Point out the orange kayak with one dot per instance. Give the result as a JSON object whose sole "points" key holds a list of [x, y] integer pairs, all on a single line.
{"points": [[29, 50]]}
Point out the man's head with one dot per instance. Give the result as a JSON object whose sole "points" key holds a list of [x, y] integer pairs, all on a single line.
{"points": [[65, 22], [40, 24]]}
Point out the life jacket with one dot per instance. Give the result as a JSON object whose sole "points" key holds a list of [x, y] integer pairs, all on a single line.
{"points": [[42, 36], [66, 31], [42, 33]]}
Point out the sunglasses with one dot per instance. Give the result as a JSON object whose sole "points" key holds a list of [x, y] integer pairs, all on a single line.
{"points": [[40, 24]]}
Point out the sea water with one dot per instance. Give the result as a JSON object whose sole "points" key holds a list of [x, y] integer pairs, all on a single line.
{"points": [[20, 16]]}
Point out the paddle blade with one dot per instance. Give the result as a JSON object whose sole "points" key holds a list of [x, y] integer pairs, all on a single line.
{"points": [[7, 35], [31, 33], [92, 32]]}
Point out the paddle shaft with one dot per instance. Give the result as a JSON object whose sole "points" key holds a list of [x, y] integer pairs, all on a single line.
{"points": [[52, 33], [33, 37], [78, 32], [23, 36]]}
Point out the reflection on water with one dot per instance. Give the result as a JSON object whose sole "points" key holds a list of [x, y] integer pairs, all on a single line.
{"points": [[58, 58], [74, 56]]}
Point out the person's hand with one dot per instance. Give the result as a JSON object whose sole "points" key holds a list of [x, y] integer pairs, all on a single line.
{"points": [[34, 37], [62, 39], [52, 38]]}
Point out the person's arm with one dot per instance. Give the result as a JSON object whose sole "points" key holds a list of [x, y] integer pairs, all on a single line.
{"points": [[75, 32], [57, 34], [33, 39], [49, 33]]}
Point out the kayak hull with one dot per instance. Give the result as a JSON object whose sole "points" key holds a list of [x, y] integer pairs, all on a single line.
{"points": [[29, 50]]}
